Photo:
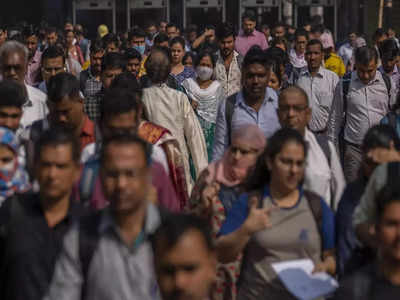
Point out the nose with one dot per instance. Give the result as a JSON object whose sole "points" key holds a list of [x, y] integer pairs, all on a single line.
{"points": [[237, 155], [180, 280], [8, 123], [122, 182]]}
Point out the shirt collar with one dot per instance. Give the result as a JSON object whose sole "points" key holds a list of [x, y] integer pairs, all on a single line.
{"points": [[242, 102], [320, 72], [241, 33]]}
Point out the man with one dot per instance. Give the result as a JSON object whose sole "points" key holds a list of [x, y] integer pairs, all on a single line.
{"points": [[66, 109], [320, 85], [323, 174], [172, 31], [161, 40], [266, 30], [118, 264], [51, 36], [110, 43], [3, 34], [68, 26], [82, 41], [228, 66], [206, 41], [151, 32], [133, 61], [53, 62], [255, 104], [184, 258], [90, 79], [31, 42], [368, 99], [171, 109], [381, 278], [249, 36], [279, 30], [13, 65], [346, 50], [390, 54], [162, 27], [111, 66], [191, 35], [12, 99], [137, 40], [40, 220], [391, 33]]}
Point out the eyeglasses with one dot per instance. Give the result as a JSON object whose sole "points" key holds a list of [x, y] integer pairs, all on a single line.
{"points": [[296, 108]]}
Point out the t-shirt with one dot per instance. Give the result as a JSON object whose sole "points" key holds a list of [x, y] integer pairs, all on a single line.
{"points": [[293, 235]]}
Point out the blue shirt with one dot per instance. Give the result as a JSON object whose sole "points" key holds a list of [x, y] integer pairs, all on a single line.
{"points": [[266, 119], [240, 210]]}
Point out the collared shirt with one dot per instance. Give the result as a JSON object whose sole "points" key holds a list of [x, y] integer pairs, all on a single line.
{"points": [[367, 104], [320, 90], [346, 53], [33, 70], [90, 86], [395, 76], [244, 42], [322, 176], [231, 80], [92, 105], [88, 133], [32, 247], [34, 109], [266, 118], [117, 270]]}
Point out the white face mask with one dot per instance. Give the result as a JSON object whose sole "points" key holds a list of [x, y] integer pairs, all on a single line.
{"points": [[204, 73]]}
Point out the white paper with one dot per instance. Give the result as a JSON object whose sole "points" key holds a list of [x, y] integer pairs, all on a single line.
{"points": [[297, 277]]}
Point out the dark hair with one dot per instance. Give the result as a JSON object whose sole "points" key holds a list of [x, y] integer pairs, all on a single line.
{"points": [[249, 14], [110, 38], [177, 40], [317, 28], [276, 52], [96, 45], [378, 33], [225, 30], [11, 94], [264, 26], [126, 139], [364, 55], [389, 49], [169, 25], [50, 30], [150, 23], [62, 85], [132, 53], [280, 24], [126, 80], [118, 101], [380, 136], [29, 31], [301, 32], [261, 175], [275, 67], [112, 60], [204, 54], [191, 28], [387, 195], [280, 40], [256, 56], [159, 70], [174, 227], [53, 52], [161, 38], [56, 136], [137, 32], [187, 55], [315, 42]]}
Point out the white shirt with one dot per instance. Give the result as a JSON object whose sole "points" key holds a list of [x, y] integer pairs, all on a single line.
{"points": [[157, 154], [346, 53], [321, 178]]}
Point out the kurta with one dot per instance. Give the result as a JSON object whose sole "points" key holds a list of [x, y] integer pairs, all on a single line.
{"points": [[171, 109]]}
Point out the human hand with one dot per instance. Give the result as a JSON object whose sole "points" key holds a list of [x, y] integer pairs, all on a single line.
{"points": [[209, 196], [383, 155], [258, 218], [195, 104]]}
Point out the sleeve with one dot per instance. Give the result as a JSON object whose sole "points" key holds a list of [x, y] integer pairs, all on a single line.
{"points": [[338, 182], [221, 139], [264, 43], [194, 136], [236, 216], [336, 115], [328, 227], [366, 209], [67, 279]]}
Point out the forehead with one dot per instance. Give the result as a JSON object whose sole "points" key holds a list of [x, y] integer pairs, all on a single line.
{"points": [[371, 65], [32, 38], [10, 110], [124, 155], [172, 28], [138, 38], [133, 61], [127, 118], [112, 70], [314, 48], [248, 21], [64, 104], [292, 98], [56, 153], [256, 68], [55, 61], [13, 58]]}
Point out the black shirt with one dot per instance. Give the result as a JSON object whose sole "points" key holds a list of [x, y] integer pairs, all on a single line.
{"points": [[29, 247]]}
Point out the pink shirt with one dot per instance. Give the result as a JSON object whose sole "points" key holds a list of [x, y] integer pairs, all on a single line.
{"points": [[33, 71], [245, 42]]}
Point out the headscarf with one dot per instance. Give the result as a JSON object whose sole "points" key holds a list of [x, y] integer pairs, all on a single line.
{"points": [[230, 175], [13, 178]]}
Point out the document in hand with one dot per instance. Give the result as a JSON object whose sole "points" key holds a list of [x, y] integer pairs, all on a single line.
{"points": [[297, 277]]}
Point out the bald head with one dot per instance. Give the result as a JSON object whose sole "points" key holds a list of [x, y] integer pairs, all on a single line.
{"points": [[158, 65], [294, 90]]}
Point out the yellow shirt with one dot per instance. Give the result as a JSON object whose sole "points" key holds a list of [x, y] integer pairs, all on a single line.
{"points": [[335, 64], [142, 68]]}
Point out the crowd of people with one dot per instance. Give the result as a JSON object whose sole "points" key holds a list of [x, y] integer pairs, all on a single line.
{"points": [[169, 164]]}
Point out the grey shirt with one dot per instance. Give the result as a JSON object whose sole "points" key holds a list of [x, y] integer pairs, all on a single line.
{"points": [[367, 104], [320, 90], [117, 271]]}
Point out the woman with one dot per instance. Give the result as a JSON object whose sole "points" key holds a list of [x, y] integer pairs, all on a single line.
{"points": [[278, 221], [219, 187], [188, 59], [74, 51], [275, 79], [178, 70], [13, 178], [206, 93]]}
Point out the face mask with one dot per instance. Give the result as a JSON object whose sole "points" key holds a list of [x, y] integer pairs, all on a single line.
{"points": [[141, 49], [204, 73]]}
